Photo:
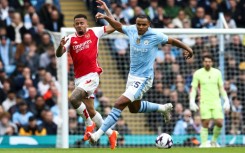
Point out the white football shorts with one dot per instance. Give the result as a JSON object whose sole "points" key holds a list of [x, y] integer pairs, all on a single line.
{"points": [[136, 87], [88, 83]]}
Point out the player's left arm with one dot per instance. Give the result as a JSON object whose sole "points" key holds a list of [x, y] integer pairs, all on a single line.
{"points": [[102, 5], [187, 50], [223, 93]]}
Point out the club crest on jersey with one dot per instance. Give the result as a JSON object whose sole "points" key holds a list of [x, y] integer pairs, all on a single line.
{"points": [[87, 35], [146, 42], [138, 41]]}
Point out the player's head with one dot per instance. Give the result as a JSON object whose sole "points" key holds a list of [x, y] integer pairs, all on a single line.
{"points": [[80, 23], [207, 61], [143, 22]]}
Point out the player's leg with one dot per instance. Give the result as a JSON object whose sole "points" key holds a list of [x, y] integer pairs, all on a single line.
{"points": [[88, 84], [139, 106], [76, 101], [135, 93], [218, 120], [206, 116], [110, 120], [204, 132], [97, 119]]}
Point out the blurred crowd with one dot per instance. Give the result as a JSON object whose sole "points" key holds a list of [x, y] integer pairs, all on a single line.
{"points": [[28, 77]]}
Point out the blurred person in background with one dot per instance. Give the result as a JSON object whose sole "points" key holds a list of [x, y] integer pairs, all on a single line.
{"points": [[20, 117], [6, 87], [32, 128], [48, 123], [6, 126], [9, 101], [16, 30], [179, 20], [122, 127], [236, 116], [37, 108], [7, 52], [23, 48], [182, 125], [151, 10], [75, 128]]}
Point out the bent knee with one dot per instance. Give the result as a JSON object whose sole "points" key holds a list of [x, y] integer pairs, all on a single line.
{"points": [[132, 109], [219, 124]]}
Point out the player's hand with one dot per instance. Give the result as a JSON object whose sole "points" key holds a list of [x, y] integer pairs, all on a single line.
{"points": [[102, 5], [63, 41], [193, 106], [188, 54], [226, 105], [99, 16]]}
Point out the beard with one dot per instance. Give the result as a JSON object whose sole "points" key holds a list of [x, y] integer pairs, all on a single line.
{"points": [[80, 32]]}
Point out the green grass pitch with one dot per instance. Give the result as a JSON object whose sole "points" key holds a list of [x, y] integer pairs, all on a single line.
{"points": [[127, 150]]}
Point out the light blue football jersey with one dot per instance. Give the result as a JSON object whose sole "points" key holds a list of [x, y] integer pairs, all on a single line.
{"points": [[143, 50]]}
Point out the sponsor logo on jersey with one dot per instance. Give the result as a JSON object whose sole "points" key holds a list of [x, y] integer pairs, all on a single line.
{"points": [[82, 46]]}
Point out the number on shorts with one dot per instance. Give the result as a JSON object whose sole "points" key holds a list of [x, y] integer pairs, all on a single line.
{"points": [[136, 84]]}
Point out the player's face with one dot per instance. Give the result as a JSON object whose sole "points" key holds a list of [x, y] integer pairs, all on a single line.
{"points": [[80, 24], [207, 63], [142, 25]]}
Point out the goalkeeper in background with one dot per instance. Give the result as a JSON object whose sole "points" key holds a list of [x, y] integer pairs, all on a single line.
{"points": [[210, 82]]}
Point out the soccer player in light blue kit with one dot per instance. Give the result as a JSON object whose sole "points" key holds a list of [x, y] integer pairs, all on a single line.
{"points": [[144, 43]]}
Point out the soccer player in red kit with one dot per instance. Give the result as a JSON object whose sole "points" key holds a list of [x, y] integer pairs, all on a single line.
{"points": [[83, 48]]}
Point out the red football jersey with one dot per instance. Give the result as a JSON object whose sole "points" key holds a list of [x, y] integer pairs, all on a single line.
{"points": [[84, 51]]}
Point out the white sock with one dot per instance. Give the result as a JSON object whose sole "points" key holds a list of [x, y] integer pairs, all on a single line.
{"points": [[82, 111], [99, 121], [97, 134]]}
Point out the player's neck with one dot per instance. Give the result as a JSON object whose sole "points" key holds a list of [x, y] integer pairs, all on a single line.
{"points": [[208, 69]]}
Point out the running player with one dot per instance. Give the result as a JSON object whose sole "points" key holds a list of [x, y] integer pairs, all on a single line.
{"points": [[83, 48], [144, 43]]}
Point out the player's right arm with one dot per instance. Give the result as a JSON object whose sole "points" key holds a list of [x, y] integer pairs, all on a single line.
{"points": [[188, 52], [115, 24], [193, 92], [62, 48], [109, 29]]}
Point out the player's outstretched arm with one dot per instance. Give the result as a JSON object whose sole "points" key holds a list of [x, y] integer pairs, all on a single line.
{"points": [[102, 5], [187, 50], [193, 93], [60, 50], [115, 24]]}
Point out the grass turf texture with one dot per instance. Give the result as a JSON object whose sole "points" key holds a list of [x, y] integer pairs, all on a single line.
{"points": [[126, 150]]}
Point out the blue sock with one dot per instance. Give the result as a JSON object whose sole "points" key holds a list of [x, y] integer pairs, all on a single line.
{"points": [[111, 119], [147, 106]]}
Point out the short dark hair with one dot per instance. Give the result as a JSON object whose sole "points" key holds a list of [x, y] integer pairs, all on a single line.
{"points": [[143, 16], [207, 56], [80, 16]]}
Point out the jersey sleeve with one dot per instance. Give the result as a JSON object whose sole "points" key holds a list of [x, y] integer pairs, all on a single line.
{"points": [[220, 80], [194, 85], [128, 29], [162, 38], [68, 43], [99, 31], [221, 85]]}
